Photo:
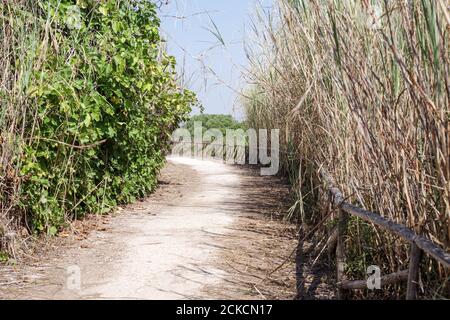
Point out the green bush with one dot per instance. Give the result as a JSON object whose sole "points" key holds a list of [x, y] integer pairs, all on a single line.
{"points": [[215, 121], [105, 102]]}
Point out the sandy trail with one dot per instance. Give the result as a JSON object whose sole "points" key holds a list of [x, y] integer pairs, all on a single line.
{"points": [[172, 245]]}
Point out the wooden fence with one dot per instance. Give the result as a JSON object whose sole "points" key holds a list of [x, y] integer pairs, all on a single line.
{"points": [[419, 244]]}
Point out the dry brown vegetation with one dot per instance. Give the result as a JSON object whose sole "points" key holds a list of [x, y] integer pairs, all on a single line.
{"points": [[16, 68], [362, 90]]}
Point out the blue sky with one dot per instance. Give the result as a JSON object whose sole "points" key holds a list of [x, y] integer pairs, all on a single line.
{"points": [[211, 68]]}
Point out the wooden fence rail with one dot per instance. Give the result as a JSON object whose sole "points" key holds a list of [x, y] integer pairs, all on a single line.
{"points": [[419, 244]]}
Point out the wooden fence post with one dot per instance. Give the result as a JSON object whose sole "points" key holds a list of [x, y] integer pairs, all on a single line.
{"points": [[413, 274], [340, 253]]}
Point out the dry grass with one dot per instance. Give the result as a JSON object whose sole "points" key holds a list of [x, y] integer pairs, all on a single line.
{"points": [[362, 89], [20, 44]]}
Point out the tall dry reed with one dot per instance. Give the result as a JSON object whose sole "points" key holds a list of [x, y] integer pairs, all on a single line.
{"points": [[361, 88], [20, 39]]}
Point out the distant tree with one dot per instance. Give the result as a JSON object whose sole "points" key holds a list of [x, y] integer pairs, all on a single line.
{"points": [[215, 121]]}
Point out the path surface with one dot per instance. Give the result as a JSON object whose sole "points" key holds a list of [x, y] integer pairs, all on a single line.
{"points": [[209, 231]]}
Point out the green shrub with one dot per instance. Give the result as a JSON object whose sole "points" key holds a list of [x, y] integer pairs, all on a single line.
{"points": [[104, 105]]}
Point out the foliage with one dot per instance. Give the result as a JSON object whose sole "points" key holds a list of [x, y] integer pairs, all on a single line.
{"points": [[4, 257], [103, 102], [215, 121]]}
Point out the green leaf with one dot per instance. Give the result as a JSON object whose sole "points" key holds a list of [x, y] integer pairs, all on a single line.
{"points": [[87, 120], [52, 231], [116, 26], [103, 10]]}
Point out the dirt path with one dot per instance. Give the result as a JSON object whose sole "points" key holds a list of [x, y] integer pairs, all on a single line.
{"points": [[210, 231]]}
